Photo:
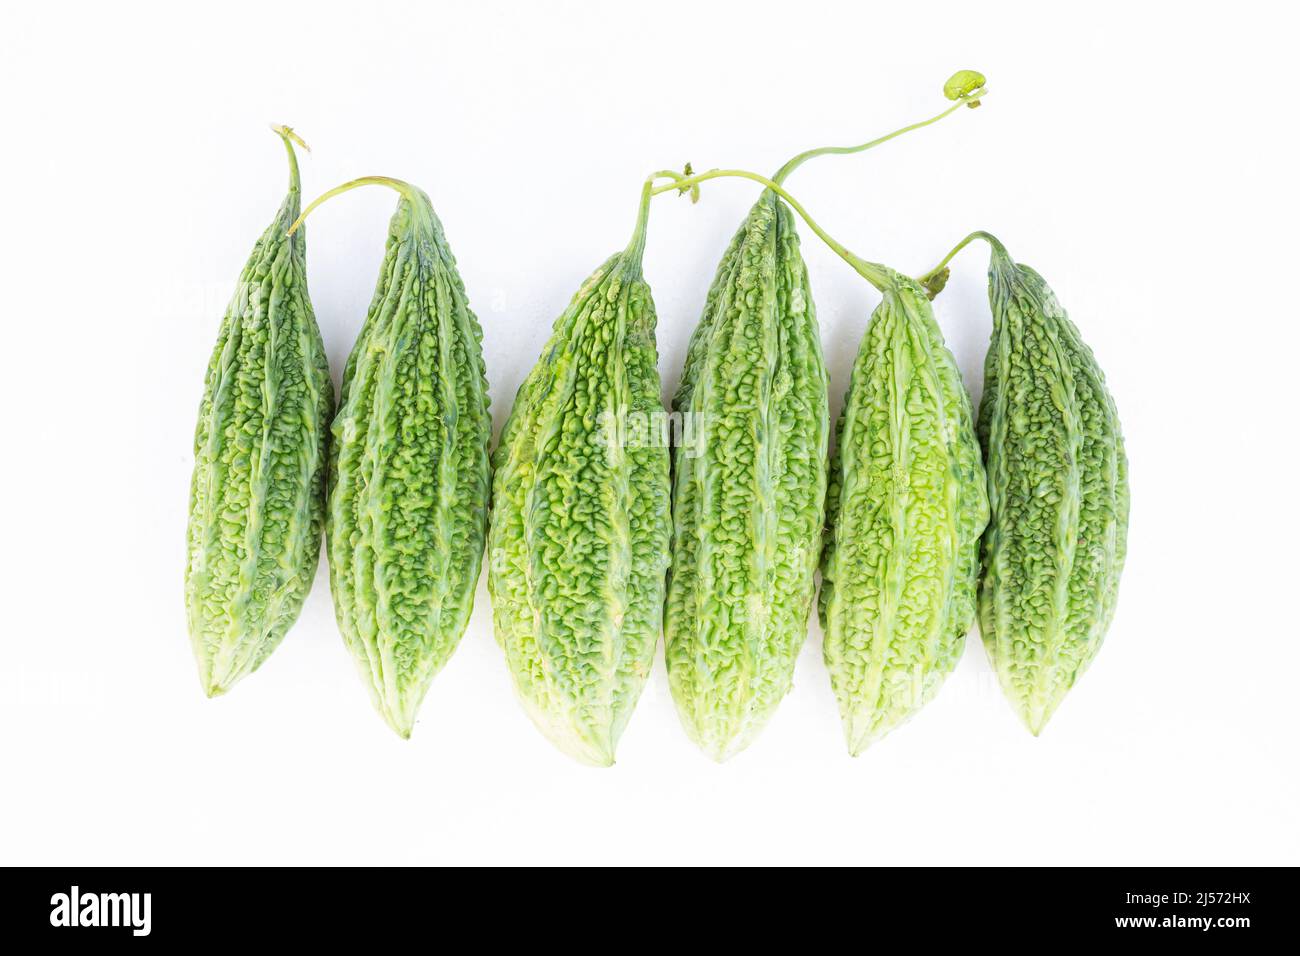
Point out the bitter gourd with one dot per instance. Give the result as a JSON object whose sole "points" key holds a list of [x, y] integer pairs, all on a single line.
{"points": [[749, 489], [409, 478], [578, 543], [257, 493], [1058, 489], [905, 509]]}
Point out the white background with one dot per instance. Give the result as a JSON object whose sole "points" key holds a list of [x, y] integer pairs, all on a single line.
{"points": [[1141, 156]]}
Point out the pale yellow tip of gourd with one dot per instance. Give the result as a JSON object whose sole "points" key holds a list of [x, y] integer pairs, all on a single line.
{"points": [[400, 727], [1035, 723], [214, 686], [595, 747], [859, 735], [594, 756], [588, 758], [720, 751]]}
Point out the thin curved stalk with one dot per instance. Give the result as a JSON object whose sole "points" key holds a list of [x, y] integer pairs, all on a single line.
{"points": [[970, 99], [992, 240], [407, 191]]}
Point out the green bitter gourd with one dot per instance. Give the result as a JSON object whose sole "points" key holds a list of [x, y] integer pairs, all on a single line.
{"points": [[904, 513], [257, 493], [578, 544], [1058, 490], [749, 487], [409, 472]]}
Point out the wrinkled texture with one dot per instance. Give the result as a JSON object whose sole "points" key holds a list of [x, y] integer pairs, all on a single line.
{"points": [[905, 508], [580, 522], [257, 494], [409, 479], [1058, 489], [749, 482]]}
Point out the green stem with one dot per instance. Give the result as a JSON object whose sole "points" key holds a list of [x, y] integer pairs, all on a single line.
{"points": [[998, 249], [407, 191], [970, 99], [636, 247], [290, 137], [873, 272]]}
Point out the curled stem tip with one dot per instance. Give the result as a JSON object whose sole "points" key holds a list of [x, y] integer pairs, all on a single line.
{"points": [[407, 191], [693, 190], [964, 86], [287, 133]]}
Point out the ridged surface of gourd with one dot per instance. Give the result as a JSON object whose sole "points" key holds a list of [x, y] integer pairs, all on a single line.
{"points": [[749, 484], [580, 519], [1058, 488], [905, 508], [409, 483], [257, 493]]}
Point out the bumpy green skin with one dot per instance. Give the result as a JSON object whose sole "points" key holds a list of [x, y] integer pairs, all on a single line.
{"points": [[749, 485], [409, 478], [580, 517], [905, 509], [257, 494], [1058, 488]]}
